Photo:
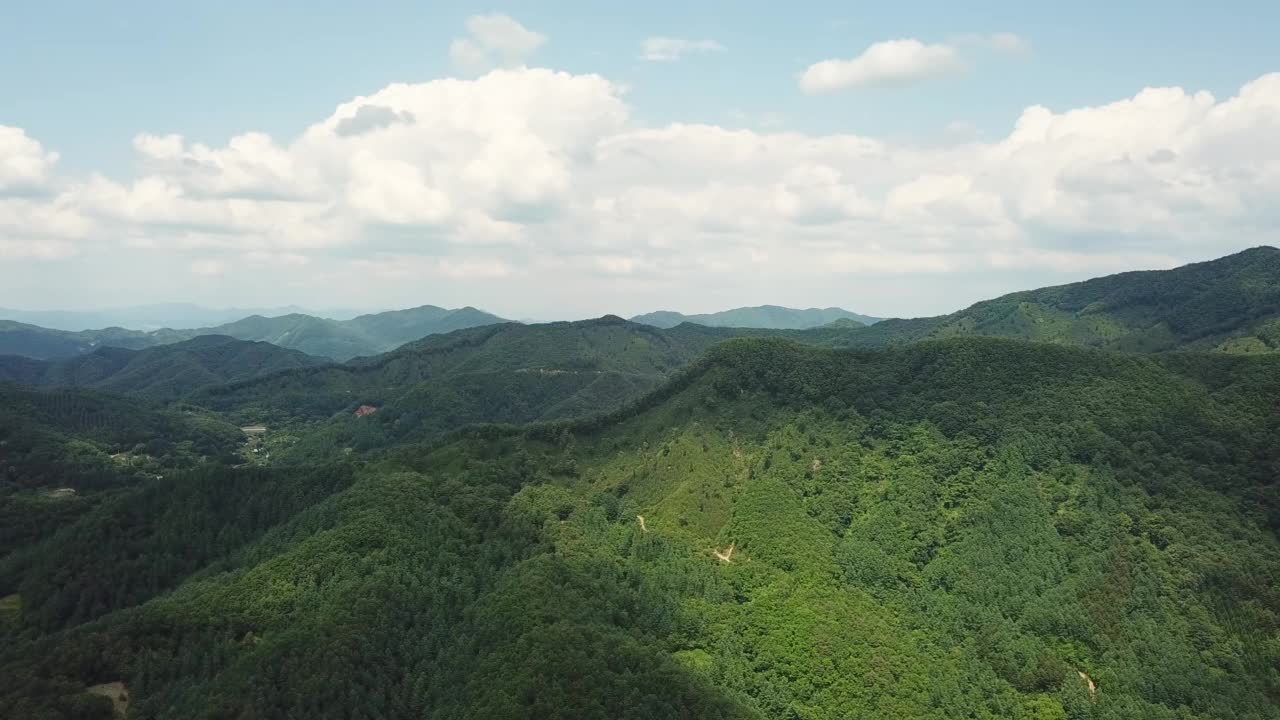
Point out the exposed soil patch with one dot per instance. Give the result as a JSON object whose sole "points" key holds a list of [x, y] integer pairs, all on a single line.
{"points": [[114, 691], [726, 555], [1093, 689]]}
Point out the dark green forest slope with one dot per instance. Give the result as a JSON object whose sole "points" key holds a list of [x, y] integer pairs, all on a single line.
{"points": [[507, 373], [165, 372], [965, 528], [1230, 304], [61, 450]]}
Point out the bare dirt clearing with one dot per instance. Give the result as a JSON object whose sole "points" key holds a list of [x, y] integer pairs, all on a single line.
{"points": [[116, 692], [725, 555]]}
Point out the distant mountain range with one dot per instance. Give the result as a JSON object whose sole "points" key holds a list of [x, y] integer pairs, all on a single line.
{"points": [[157, 316], [771, 317], [1231, 304], [322, 337], [363, 335]]}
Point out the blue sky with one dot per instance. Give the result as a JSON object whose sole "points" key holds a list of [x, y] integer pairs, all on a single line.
{"points": [[85, 80]]}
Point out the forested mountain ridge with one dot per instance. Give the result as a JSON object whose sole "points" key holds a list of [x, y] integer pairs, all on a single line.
{"points": [[1231, 304], [961, 528], [164, 372], [770, 317], [508, 373], [322, 337], [44, 344], [154, 316]]}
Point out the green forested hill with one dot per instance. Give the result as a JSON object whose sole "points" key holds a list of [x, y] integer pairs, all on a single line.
{"points": [[45, 433], [965, 528], [61, 449], [165, 371], [1231, 304], [771, 317], [507, 373]]}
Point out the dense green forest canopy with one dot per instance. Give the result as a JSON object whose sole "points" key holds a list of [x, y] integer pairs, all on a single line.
{"points": [[62, 450], [498, 373], [962, 528]]}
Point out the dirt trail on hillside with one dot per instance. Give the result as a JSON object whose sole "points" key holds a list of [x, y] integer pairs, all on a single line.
{"points": [[1093, 689], [725, 556]]}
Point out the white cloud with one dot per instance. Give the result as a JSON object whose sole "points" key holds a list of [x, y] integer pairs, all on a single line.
{"points": [[669, 48], [540, 185], [891, 62], [24, 163], [819, 194], [494, 40], [36, 219]]}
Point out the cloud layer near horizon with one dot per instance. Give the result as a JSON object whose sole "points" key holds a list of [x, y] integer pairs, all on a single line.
{"points": [[543, 174]]}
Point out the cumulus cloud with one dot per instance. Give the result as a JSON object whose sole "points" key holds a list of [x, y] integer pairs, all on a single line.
{"points": [[494, 40], [24, 163], [369, 118], [669, 48], [891, 62], [523, 179]]}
